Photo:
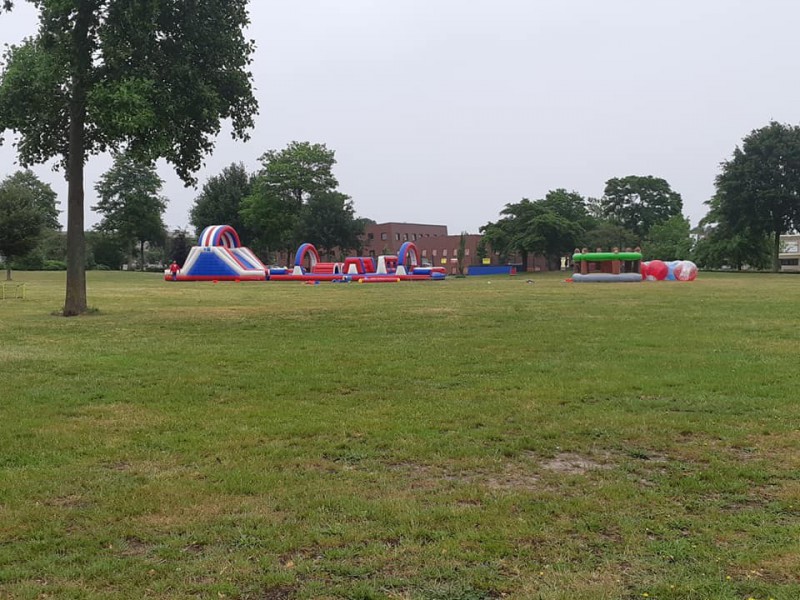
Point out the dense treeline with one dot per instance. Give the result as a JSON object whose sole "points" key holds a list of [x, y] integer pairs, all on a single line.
{"points": [[757, 200], [295, 196]]}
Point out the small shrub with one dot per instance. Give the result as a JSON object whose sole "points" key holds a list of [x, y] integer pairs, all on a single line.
{"points": [[54, 265]]}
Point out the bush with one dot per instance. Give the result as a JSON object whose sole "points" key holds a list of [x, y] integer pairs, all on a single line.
{"points": [[54, 265], [31, 262]]}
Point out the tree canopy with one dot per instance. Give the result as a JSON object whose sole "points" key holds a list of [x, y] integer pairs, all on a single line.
{"points": [[551, 226], [637, 203], [27, 208], [220, 201], [329, 220], [758, 189], [154, 77], [130, 202], [295, 198], [670, 240]]}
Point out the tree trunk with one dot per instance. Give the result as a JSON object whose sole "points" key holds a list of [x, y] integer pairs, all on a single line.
{"points": [[8, 268], [75, 303], [776, 250], [141, 254]]}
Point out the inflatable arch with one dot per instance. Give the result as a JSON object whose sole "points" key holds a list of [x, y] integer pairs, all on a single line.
{"points": [[302, 251], [408, 250], [219, 235]]}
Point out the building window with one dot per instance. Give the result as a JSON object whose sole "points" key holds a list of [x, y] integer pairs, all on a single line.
{"points": [[790, 262], [466, 251], [397, 237], [444, 252], [414, 237], [384, 236], [424, 253], [405, 237], [370, 236], [433, 252]]}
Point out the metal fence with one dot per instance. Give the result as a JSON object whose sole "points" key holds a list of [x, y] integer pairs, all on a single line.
{"points": [[10, 290]]}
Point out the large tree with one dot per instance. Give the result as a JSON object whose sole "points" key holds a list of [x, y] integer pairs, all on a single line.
{"points": [[21, 223], [220, 201], [27, 209], [44, 197], [551, 226], [758, 190], [154, 76], [637, 203], [720, 246], [131, 203], [670, 240], [329, 220], [287, 181]]}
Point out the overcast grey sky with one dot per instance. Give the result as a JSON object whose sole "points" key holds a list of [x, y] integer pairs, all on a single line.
{"points": [[443, 111]]}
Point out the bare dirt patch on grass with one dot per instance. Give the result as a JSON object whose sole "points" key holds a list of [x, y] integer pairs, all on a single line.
{"points": [[569, 463], [518, 474]]}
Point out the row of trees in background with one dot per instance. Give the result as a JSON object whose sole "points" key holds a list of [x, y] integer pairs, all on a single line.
{"points": [[131, 232], [634, 211], [294, 197], [757, 200]]}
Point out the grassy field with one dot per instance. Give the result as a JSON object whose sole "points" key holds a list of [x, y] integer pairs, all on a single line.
{"points": [[465, 440]]}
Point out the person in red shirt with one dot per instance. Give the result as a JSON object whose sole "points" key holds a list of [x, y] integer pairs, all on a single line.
{"points": [[174, 268]]}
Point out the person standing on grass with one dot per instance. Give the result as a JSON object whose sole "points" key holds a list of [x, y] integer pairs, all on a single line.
{"points": [[173, 268]]}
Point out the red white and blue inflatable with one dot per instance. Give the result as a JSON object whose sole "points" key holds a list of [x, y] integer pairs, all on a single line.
{"points": [[388, 269], [220, 256]]}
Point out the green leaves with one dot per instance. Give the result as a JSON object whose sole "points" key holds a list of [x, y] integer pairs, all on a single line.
{"points": [[758, 189], [130, 201], [33, 85], [295, 198], [637, 203], [220, 200], [551, 226], [27, 207]]}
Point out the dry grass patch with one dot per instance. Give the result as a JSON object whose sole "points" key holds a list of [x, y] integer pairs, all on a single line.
{"points": [[569, 463], [511, 474]]}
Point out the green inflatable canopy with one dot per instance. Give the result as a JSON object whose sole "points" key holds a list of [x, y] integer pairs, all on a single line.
{"points": [[601, 256]]}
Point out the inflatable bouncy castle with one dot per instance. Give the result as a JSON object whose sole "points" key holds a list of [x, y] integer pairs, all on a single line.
{"points": [[219, 256], [627, 266], [382, 269], [609, 267]]}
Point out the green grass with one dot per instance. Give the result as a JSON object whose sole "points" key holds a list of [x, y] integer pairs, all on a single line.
{"points": [[470, 439]]}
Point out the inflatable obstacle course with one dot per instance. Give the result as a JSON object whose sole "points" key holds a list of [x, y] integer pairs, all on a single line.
{"points": [[607, 267], [219, 256]]}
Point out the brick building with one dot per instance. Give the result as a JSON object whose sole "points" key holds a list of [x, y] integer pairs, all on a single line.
{"points": [[434, 244]]}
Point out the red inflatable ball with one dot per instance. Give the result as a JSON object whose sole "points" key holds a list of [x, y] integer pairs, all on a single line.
{"points": [[644, 268], [658, 270], [685, 270]]}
